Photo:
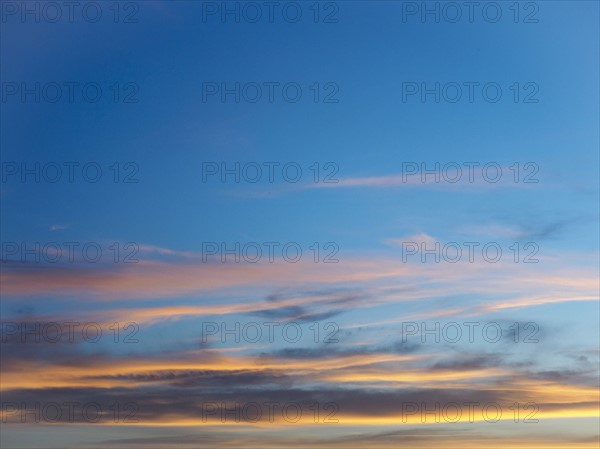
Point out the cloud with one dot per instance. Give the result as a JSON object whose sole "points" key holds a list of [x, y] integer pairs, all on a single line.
{"points": [[420, 239], [300, 291], [418, 437], [439, 179], [59, 227], [534, 232]]}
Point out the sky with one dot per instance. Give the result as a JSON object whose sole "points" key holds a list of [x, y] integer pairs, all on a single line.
{"points": [[311, 224]]}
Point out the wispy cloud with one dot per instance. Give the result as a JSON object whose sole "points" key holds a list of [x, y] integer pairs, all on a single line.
{"points": [[59, 227]]}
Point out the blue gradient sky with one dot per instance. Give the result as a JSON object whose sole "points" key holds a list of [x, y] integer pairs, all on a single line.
{"points": [[369, 133]]}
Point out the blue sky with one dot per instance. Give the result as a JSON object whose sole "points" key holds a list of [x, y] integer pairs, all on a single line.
{"points": [[364, 61]]}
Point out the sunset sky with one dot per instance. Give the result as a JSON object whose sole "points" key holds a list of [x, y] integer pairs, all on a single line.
{"points": [[377, 343]]}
